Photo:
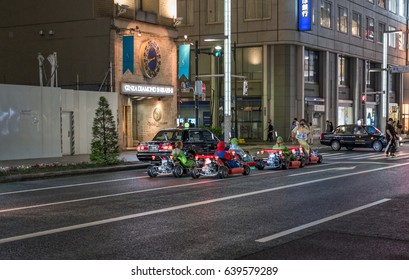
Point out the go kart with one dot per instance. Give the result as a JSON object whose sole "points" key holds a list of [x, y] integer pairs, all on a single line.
{"points": [[211, 165], [166, 166], [275, 159], [313, 157]]}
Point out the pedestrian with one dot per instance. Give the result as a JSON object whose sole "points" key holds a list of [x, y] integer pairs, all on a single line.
{"points": [[301, 132], [270, 130], [390, 138], [329, 127], [290, 136]]}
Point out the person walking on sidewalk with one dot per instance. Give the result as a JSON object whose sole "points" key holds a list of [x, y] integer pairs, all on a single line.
{"points": [[270, 130], [391, 138]]}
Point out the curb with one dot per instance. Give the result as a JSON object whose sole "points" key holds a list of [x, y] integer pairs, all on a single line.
{"points": [[41, 175]]}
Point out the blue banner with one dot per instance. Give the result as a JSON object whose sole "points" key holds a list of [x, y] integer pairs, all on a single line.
{"points": [[184, 61], [304, 15], [127, 54]]}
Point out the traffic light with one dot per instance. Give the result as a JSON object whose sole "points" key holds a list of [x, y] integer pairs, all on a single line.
{"points": [[217, 51], [363, 98], [245, 88]]}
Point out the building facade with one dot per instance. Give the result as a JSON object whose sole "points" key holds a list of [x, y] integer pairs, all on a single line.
{"points": [[124, 46], [330, 69]]}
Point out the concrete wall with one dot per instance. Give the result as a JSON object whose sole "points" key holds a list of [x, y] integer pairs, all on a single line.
{"points": [[30, 120]]}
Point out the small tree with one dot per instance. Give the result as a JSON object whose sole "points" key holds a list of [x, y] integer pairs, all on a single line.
{"points": [[104, 144]]}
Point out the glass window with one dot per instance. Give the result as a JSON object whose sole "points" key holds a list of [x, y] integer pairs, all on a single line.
{"points": [[342, 24], [215, 10], [356, 24], [311, 66], [370, 29], [381, 30], [370, 1], [185, 10], [258, 9], [381, 3], [392, 6], [343, 71], [325, 17], [401, 40], [392, 37], [401, 8]]}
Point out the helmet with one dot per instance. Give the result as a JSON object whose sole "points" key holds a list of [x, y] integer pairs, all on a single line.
{"points": [[280, 140], [234, 141]]}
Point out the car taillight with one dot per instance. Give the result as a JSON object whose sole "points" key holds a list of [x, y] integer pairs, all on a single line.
{"points": [[141, 148], [153, 157], [166, 147], [321, 136], [280, 152], [196, 157]]}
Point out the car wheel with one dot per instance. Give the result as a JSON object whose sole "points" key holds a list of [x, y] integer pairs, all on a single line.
{"points": [[335, 145], [377, 146], [350, 148], [153, 171], [178, 171], [246, 170], [223, 172], [194, 173]]}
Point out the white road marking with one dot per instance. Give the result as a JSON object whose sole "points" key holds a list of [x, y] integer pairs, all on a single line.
{"points": [[73, 185], [324, 220], [184, 206], [323, 170]]}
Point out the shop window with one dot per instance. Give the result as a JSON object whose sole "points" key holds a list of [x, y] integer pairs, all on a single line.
{"points": [[342, 23], [257, 9], [325, 16]]}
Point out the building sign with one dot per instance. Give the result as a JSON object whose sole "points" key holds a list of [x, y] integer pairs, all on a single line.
{"points": [[304, 15], [146, 90]]}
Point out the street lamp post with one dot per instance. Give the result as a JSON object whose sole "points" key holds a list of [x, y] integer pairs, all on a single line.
{"points": [[227, 70], [385, 80]]}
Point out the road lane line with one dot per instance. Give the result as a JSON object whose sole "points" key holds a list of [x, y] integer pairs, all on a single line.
{"points": [[73, 185], [183, 206], [321, 221]]}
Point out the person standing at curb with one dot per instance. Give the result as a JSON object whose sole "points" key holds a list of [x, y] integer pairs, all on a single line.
{"points": [[390, 138]]}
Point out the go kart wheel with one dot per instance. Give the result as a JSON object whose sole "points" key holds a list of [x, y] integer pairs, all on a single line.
{"points": [[335, 145], [319, 159], [223, 172], [302, 162], [246, 170], [377, 146], [260, 165], [285, 164], [177, 171], [152, 171], [194, 173]]}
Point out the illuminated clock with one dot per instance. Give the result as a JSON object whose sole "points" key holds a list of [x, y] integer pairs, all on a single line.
{"points": [[151, 59]]}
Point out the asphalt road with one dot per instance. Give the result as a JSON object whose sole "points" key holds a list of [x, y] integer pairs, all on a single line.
{"points": [[352, 206]]}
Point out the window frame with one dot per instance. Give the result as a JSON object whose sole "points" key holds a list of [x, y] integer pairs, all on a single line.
{"points": [[219, 17], [188, 18], [343, 70], [265, 7], [359, 24], [323, 7], [367, 30], [342, 19], [312, 66]]}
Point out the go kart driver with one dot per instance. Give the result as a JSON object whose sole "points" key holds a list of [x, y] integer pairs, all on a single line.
{"points": [[280, 146], [178, 154], [223, 154]]}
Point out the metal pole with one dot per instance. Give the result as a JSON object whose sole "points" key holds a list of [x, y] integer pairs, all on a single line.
{"points": [[384, 101], [196, 79], [236, 130], [227, 70]]}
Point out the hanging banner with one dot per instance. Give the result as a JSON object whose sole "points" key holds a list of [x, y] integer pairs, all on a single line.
{"points": [[184, 61], [127, 54], [304, 15]]}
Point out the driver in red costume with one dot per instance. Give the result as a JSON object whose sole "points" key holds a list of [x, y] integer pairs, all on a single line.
{"points": [[223, 154]]}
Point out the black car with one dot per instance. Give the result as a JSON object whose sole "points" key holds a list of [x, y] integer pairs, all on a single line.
{"points": [[195, 141], [354, 136]]}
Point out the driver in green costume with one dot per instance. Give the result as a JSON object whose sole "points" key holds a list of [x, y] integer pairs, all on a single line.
{"points": [[280, 146], [179, 155]]}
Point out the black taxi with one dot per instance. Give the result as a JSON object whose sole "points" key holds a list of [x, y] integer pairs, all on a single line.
{"points": [[195, 141], [353, 136]]}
